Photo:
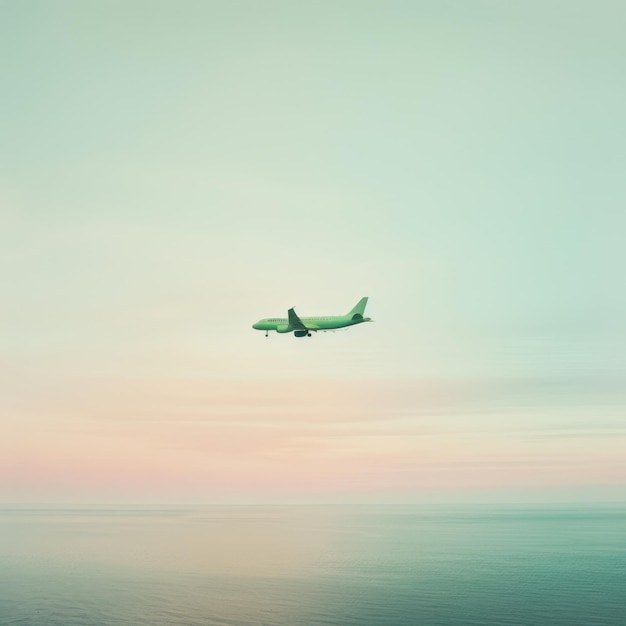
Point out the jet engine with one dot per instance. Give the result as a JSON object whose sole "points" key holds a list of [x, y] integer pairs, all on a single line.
{"points": [[301, 333]]}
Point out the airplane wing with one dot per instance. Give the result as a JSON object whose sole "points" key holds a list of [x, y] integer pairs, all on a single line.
{"points": [[295, 322]]}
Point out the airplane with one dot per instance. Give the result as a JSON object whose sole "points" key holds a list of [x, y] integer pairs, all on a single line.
{"points": [[302, 327]]}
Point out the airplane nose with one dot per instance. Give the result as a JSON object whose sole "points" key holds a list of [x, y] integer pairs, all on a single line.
{"points": [[255, 326]]}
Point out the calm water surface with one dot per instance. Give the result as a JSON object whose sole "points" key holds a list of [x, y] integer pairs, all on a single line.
{"points": [[313, 565]]}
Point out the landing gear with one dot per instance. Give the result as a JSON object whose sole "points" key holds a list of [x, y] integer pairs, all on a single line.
{"points": [[308, 334], [267, 334]]}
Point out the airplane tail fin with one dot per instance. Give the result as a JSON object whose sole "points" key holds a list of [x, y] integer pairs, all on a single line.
{"points": [[359, 309]]}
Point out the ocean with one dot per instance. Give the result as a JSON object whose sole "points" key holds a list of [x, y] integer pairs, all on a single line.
{"points": [[313, 565]]}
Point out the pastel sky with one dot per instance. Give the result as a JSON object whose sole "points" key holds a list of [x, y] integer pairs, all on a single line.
{"points": [[170, 172]]}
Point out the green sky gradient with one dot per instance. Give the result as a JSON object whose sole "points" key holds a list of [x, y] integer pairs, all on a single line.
{"points": [[170, 172]]}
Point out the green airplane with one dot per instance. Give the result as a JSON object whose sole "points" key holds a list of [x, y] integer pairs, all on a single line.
{"points": [[304, 326]]}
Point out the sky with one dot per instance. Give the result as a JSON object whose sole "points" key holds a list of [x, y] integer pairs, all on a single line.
{"points": [[171, 172]]}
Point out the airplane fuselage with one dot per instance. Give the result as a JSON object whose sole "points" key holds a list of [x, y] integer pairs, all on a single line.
{"points": [[281, 325]]}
